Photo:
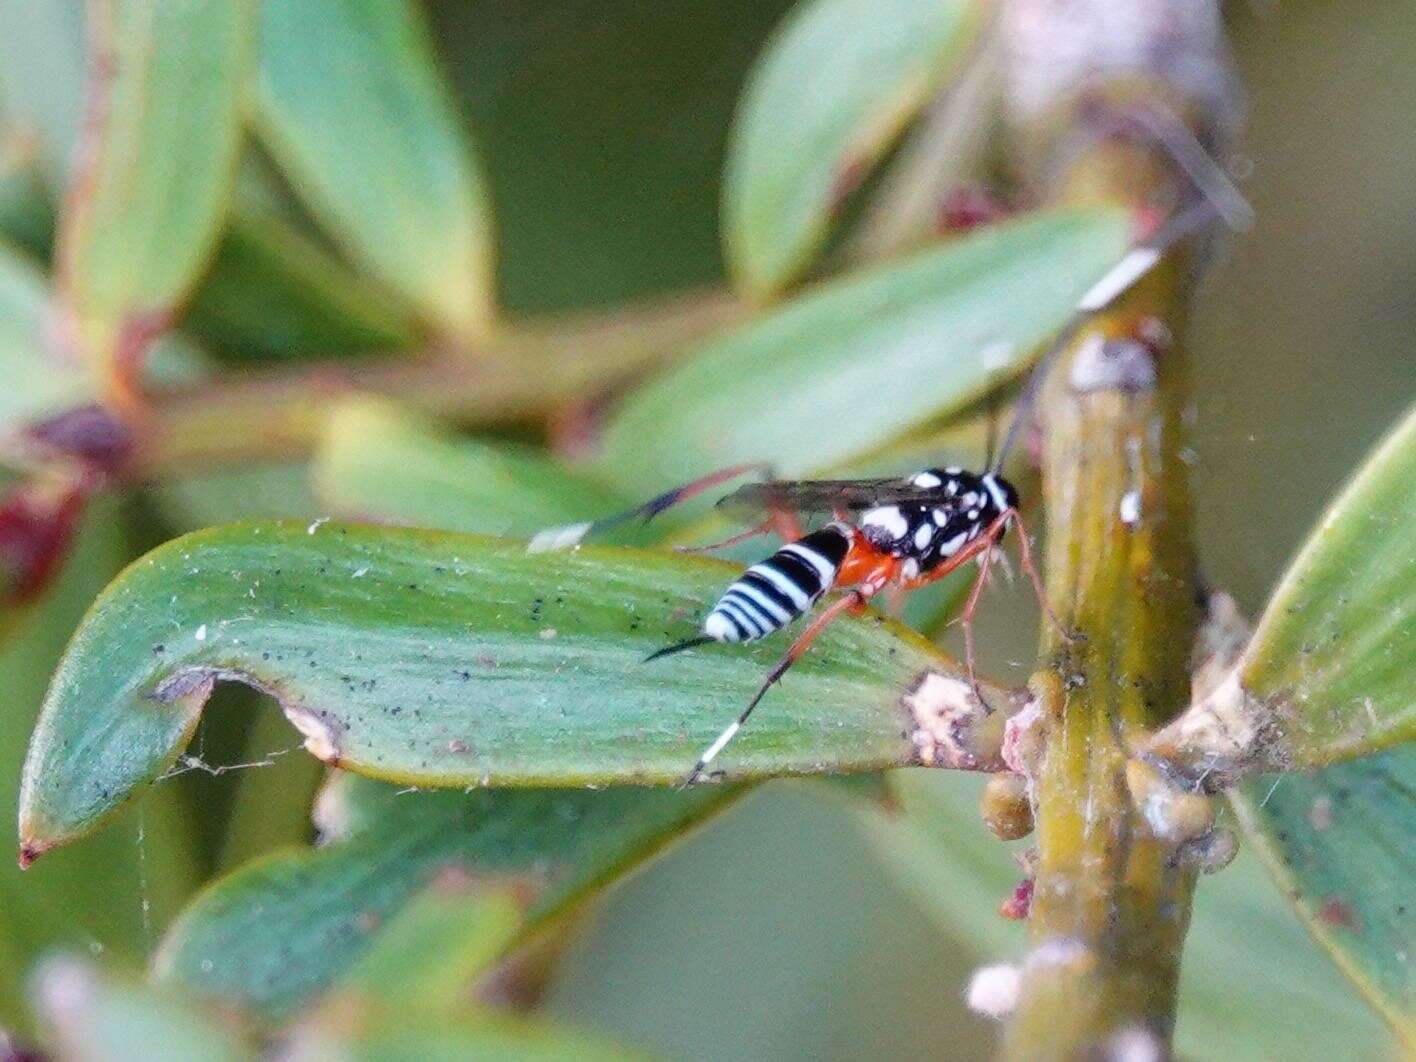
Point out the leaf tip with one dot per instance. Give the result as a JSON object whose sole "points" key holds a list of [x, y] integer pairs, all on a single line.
{"points": [[31, 850]]}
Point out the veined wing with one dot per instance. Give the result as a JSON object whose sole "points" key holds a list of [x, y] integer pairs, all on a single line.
{"points": [[827, 496]]}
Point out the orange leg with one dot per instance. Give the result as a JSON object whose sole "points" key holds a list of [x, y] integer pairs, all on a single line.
{"points": [[764, 528], [966, 617], [853, 602], [1025, 555]]}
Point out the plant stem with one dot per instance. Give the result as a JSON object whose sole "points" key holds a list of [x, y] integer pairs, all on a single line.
{"points": [[1111, 902], [523, 373]]}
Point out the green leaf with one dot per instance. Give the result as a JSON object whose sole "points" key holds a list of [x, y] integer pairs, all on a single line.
{"points": [[856, 362], [424, 1037], [837, 84], [1341, 843], [42, 76], [272, 294], [1327, 674], [145, 211], [1253, 987], [39, 380], [354, 109], [279, 931], [382, 462], [93, 1017], [118, 890], [431, 952], [446, 659], [1337, 642]]}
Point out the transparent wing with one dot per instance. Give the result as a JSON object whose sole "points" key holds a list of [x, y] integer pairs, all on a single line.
{"points": [[826, 496]]}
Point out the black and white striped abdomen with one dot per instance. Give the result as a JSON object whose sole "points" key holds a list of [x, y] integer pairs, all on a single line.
{"points": [[771, 594]]}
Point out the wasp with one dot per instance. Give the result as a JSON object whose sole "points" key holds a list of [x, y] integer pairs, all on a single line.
{"points": [[883, 534]]}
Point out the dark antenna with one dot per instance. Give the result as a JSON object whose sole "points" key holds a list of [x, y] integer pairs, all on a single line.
{"points": [[991, 439], [1220, 200]]}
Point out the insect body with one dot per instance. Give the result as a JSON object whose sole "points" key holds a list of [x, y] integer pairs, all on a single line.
{"points": [[932, 516], [887, 534]]}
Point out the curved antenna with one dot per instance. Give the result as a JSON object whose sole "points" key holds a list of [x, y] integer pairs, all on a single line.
{"points": [[1220, 199], [1119, 279]]}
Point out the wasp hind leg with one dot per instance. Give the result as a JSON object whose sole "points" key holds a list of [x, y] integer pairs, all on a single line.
{"points": [[852, 602]]}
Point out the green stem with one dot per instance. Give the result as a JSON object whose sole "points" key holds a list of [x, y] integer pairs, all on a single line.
{"points": [[524, 373], [1111, 904]]}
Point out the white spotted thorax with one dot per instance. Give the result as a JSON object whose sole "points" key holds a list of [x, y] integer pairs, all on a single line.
{"points": [[961, 507]]}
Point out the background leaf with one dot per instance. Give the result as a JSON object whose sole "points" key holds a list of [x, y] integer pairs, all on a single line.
{"points": [[1337, 642], [39, 379], [42, 72], [94, 1017], [147, 202], [857, 361], [1341, 844], [445, 659], [381, 462], [432, 950], [354, 110], [279, 931], [273, 294], [837, 83], [398, 1037]]}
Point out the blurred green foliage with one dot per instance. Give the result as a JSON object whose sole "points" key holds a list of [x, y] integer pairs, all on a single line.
{"points": [[582, 146]]}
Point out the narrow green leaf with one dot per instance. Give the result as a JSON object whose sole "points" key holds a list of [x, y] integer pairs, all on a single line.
{"points": [[42, 76], [147, 204], [26, 216], [1253, 987], [1341, 843], [837, 84], [279, 931], [431, 952], [385, 463], [425, 1037], [1327, 675], [856, 362], [272, 294], [446, 659], [1337, 642], [353, 107], [39, 379], [96, 1018], [239, 492]]}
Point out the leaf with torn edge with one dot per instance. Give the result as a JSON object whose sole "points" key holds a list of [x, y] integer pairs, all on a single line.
{"points": [[837, 84], [454, 660], [1342, 845], [849, 365], [1327, 675], [279, 931], [355, 111], [147, 200]]}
